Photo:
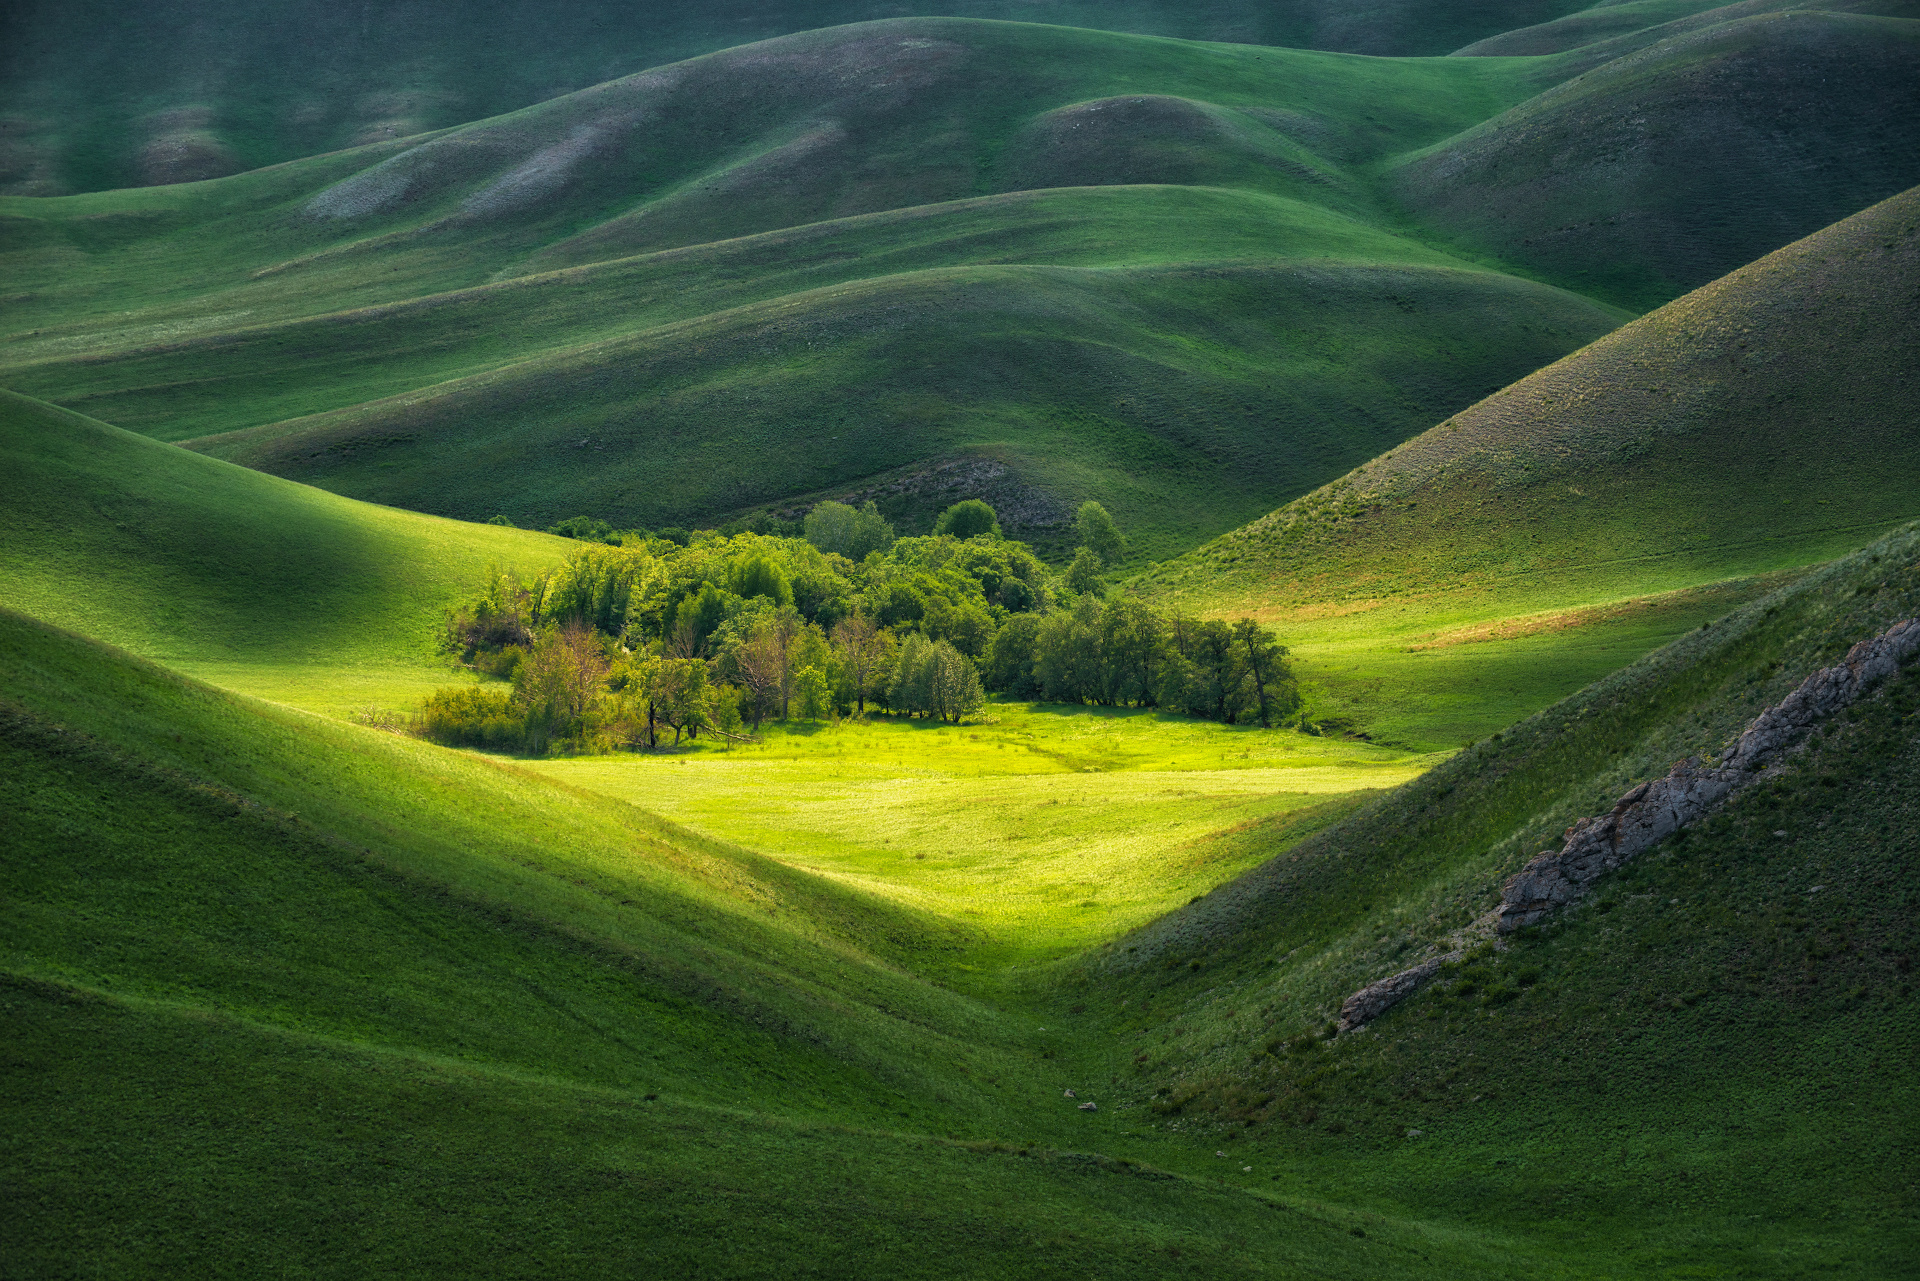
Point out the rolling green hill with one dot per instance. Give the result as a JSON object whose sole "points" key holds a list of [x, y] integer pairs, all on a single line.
{"points": [[100, 93], [1714, 1047], [370, 1003], [602, 302], [1188, 280], [1676, 163], [213, 568], [1183, 397], [1760, 423]]}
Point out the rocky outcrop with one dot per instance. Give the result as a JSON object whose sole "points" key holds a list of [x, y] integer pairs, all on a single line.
{"points": [[1657, 809], [1373, 1000]]}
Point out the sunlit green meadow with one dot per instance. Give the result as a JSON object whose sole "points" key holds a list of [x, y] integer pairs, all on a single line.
{"points": [[1041, 830]]}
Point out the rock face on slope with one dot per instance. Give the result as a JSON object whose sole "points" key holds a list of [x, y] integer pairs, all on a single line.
{"points": [[1657, 809], [1660, 807]]}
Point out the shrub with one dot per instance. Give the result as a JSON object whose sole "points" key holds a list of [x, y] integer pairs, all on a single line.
{"points": [[472, 716], [968, 519]]}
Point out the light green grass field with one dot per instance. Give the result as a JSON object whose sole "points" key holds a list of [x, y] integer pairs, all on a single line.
{"points": [[1040, 831]]}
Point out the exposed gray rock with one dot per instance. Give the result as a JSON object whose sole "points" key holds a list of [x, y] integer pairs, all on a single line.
{"points": [[1657, 809], [1371, 1001]]}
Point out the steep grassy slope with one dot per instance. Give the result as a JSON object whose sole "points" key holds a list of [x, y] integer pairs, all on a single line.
{"points": [[1763, 422], [1709, 1056], [1663, 169], [210, 566], [103, 94]]}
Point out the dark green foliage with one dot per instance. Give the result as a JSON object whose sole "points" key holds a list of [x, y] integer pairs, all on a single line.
{"points": [[759, 576], [1008, 665], [969, 518], [934, 679], [500, 520], [585, 528], [1122, 653]]}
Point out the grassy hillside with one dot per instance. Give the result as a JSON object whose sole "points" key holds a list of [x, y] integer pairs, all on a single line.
{"points": [[1240, 322], [1182, 397], [214, 568], [1761, 423], [452, 1017], [1609, 31], [1674, 164], [369, 1001], [102, 94], [1702, 1060]]}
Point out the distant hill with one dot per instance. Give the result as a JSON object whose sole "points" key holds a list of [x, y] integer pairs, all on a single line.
{"points": [[97, 94], [1227, 318], [1670, 166], [1189, 280]]}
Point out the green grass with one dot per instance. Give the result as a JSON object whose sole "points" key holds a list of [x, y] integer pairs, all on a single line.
{"points": [[104, 94], [289, 591], [1038, 832], [927, 280], [1702, 1059], [1655, 172], [1757, 425], [373, 1003]]}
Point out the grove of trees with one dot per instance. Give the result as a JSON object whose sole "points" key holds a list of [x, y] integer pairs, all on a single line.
{"points": [[626, 644]]}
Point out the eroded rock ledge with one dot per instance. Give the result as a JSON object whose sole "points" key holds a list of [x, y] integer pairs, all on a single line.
{"points": [[1656, 809]]}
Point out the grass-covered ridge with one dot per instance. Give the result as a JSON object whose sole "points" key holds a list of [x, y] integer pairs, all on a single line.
{"points": [[1659, 170], [1761, 423], [104, 94], [814, 245], [890, 247], [208, 566], [1686, 1028]]}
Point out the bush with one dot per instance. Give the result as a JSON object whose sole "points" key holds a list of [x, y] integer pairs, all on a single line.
{"points": [[472, 716], [584, 528], [968, 519]]}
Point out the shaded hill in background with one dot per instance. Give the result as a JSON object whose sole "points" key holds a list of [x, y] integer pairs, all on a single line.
{"points": [[1669, 167], [802, 267], [1608, 31], [1187, 354], [97, 94], [1181, 396]]}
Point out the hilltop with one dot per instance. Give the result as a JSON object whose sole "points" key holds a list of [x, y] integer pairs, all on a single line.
{"points": [[89, 106], [1188, 280], [1668, 166], [528, 314], [1760, 423]]}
